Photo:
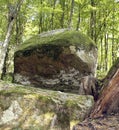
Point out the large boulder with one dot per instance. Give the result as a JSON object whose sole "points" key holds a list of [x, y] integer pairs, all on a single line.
{"points": [[55, 61], [29, 108]]}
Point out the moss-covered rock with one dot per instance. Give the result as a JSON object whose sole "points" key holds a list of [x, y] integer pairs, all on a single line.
{"points": [[55, 61], [36, 109], [66, 38]]}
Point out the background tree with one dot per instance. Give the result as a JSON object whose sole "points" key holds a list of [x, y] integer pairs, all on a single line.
{"points": [[98, 19], [12, 14]]}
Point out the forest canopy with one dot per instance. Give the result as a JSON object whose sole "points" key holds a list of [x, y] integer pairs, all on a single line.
{"points": [[96, 18]]}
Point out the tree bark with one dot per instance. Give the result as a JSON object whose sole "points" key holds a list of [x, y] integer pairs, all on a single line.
{"points": [[108, 101], [4, 47], [105, 114]]}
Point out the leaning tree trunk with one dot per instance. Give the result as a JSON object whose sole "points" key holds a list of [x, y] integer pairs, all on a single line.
{"points": [[13, 11], [105, 114], [109, 99], [3, 49]]}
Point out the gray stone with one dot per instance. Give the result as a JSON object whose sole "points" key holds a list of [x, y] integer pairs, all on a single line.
{"points": [[12, 113], [31, 108]]}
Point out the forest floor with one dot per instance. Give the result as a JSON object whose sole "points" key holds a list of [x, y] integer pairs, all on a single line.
{"points": [[110, 122]]}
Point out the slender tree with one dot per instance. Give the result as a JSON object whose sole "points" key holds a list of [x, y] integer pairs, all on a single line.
{"points": [[71, 14], [63, 13], [52, 18], [41, 18], [93, 22], [113, 35], [106, 52], [79, 17], [12, 14]]}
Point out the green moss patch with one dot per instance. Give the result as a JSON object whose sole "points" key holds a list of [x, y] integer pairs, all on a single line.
{"points": [[66, 38], [15, 91]]}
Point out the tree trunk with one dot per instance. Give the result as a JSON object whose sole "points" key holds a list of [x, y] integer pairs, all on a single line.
{"points": [[101, 54], [79, 18], [92, 21], [5, 46], [71, 14], [52, 18], [41, 18], [63, 13], [106, 51], [108, 101], [11, 18], [113, 34], [105, 114]]}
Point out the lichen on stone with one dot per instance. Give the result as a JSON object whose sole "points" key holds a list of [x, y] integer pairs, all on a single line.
{"points": [[12, 113], [32, 108]]}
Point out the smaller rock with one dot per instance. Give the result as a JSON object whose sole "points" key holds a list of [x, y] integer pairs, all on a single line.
{"points": [[12, 113], [31, 108]]}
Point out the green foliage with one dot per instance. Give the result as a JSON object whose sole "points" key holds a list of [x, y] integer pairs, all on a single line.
{"points": [[8, 77], [101, 74], [43, 15]]}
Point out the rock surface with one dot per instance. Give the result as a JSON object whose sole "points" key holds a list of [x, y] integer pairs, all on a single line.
{"points": [[56, 61], [28, 108]]}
